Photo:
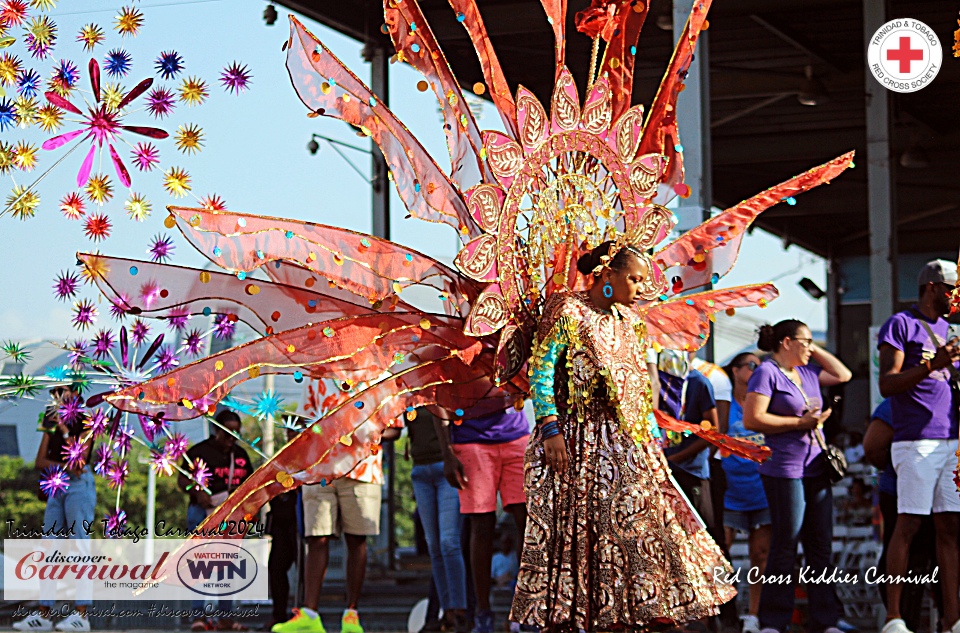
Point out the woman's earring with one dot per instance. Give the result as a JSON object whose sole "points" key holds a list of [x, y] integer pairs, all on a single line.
{"points": [[607, 290]]}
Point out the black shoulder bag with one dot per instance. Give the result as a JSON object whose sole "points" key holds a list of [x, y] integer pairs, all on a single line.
{"points": [[835, 460]]}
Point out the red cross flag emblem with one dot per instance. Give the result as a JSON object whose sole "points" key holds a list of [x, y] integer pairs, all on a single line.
{"points": [[904, 55]]}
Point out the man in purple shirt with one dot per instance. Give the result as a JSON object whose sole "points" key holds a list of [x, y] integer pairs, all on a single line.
{"points": [[481, 458], [916, 368]]}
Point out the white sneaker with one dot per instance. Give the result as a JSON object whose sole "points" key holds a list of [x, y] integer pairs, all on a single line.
{"points": [[34, 623], [955, 628], [896, 625], [832, 629], [74, 622], [769, 630], [749, 624]]}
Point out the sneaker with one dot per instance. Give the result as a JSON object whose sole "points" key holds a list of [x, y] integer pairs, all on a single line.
{"points": [[350, 622], [433, 626], [955, 628], [74, 622], [896, 625], [34, 622], [514, 627], [769, 630], [460, 623], [483, 622], [832, 629], [749, 624], [303, 621]]}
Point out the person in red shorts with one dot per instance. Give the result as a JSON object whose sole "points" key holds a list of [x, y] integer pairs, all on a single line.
{"points": [[483, 457]]}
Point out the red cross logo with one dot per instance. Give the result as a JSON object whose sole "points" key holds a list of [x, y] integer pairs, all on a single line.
{"points": [[905, 54]]}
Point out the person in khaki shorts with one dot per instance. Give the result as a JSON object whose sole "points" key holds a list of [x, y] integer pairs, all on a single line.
{"points": [[351, 506]]}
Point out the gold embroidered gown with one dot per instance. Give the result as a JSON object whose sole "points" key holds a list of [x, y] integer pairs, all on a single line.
{"points": [[611, 544]]}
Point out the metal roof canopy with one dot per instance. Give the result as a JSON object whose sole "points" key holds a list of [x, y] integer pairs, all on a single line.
{"points": [[761, 134]]}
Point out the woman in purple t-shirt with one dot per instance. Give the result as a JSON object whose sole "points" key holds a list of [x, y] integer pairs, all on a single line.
{"points": [[784, 403]]}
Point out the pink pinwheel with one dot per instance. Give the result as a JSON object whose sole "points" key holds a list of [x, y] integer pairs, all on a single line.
{"points": [[71, 410], [102, 464], [97, 424], [193, 342], [102, 343], [74, 453], [78, 351], [54, 481], [117, 473], [200, 473], [177, 446], [66, 285], [139, 332], [177, 318], [162, 462], [103, 125], [115, 522], [121, 441], [223, 327]]}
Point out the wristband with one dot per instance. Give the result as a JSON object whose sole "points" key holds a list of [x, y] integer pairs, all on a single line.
{"points": [[549, 429]]}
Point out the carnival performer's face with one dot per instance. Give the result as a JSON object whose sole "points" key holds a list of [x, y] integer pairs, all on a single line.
{"points": [[628, 281]]}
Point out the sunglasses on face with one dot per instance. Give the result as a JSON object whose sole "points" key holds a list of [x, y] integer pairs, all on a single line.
{"points": [[804, 342], [752, 364]]}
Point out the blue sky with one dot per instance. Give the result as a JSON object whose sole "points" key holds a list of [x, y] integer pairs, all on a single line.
{"points": [[255, 158]]}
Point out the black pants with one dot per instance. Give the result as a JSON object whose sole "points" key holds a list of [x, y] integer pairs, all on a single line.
{"points": [[729, 615], [923, 559], [283, 554]]}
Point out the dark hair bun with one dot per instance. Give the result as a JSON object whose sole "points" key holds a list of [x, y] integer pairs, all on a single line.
{"points": [[585, 263], [767, 340]]}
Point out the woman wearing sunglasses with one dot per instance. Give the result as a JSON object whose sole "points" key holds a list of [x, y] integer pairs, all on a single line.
{"points": [[784, 403], [745, 503]]}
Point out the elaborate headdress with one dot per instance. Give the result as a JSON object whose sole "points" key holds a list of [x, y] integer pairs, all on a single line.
{"points": [[525, 203]]}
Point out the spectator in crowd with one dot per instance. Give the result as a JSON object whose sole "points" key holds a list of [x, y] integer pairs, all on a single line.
{"points": [[438, 505], [784, 402], [69, 510], [917, 364], [351, 505], [745, 502], [854, 450], [687, 395], [923, 552], [504, 566], [481, 458], [722, 393], [229, 466], [857, 509], [283, 526]]}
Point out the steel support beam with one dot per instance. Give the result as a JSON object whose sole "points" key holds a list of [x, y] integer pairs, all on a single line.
{"points": [[693, 119], [880, 179]]}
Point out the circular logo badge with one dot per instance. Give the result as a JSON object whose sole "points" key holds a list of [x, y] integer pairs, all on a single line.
{"points": [[904, 55]]}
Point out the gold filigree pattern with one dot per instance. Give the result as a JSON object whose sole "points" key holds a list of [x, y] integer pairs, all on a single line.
{"points": [[488, 315], [565, 110], [505, 159], [627, 132], [533, 120], [477, 260], [644, 178], [484, 205], [596, 114]]}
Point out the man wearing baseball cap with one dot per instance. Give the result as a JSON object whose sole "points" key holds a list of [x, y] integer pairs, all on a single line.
{"points": [[917, 369]]}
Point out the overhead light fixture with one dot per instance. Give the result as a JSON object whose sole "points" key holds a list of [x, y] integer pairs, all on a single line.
{"points": [[270, 15], [812, 91], [812, 288], [313, 146], [665, 22], [914, 158]]}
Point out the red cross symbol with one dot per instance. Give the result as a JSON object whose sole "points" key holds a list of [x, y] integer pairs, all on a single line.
{"points": [[905, 54]]}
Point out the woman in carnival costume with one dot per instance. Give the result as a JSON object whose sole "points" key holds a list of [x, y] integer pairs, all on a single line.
{"points": [[610, 543]]}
